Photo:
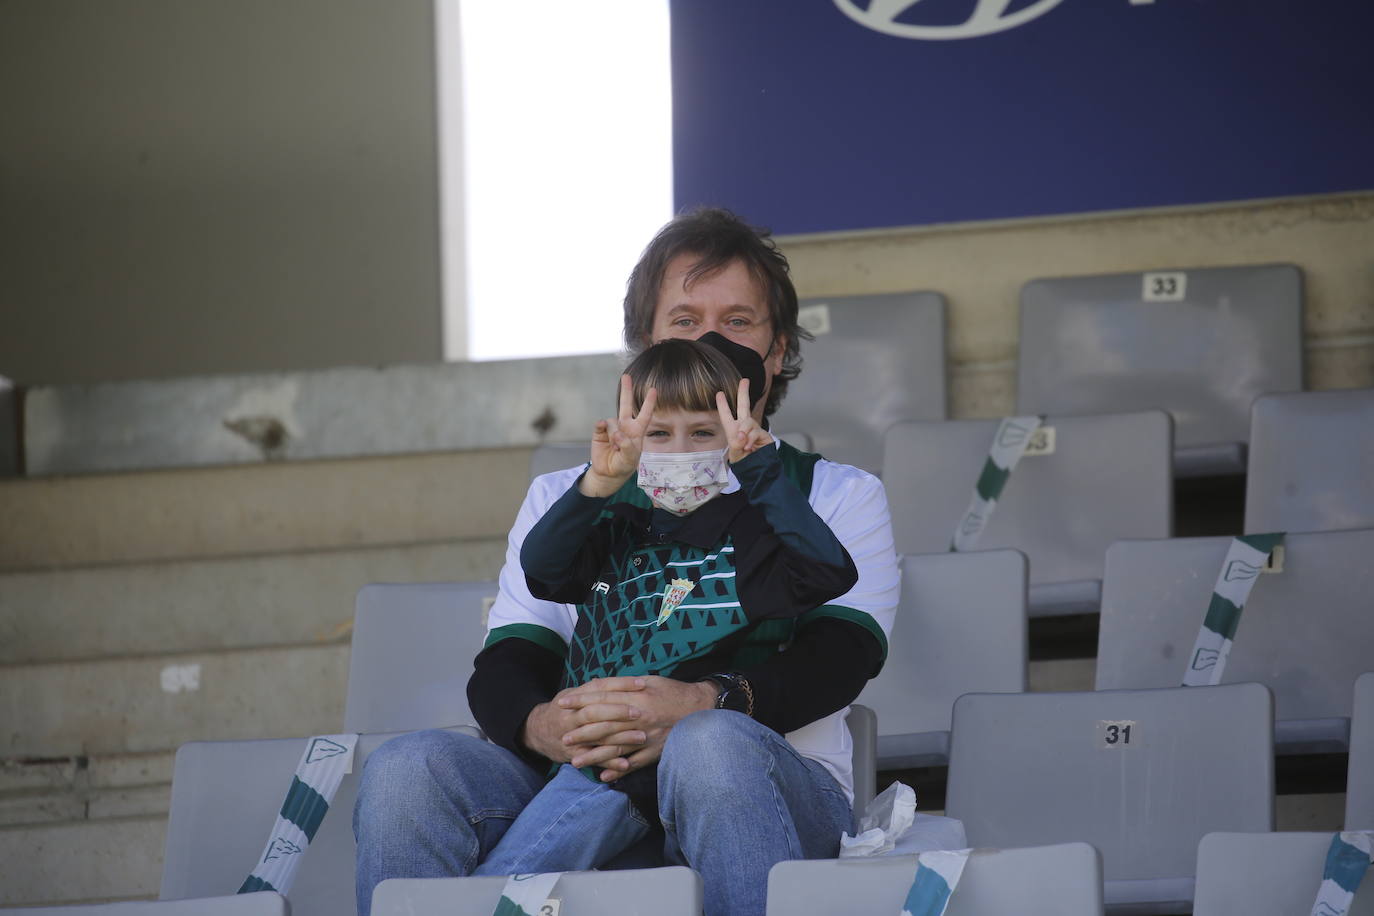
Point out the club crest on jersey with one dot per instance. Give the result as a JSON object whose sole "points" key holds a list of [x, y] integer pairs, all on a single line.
{"points": [[678, 589]]}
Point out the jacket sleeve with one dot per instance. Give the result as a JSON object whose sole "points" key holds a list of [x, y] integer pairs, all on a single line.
{"points": [[787, 560], [565, 549], [823, 671], [510, 678]]}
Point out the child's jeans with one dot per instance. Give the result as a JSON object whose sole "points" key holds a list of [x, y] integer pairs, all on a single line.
{"points": [[573, 824]]}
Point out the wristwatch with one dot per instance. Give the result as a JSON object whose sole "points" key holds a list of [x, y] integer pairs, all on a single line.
{"points": [[735, 692]]}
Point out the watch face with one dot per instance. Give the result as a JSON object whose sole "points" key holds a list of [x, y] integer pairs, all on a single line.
{"points": [[733, 698]]}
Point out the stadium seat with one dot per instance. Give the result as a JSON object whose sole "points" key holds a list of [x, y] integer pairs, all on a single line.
{"points": [[264, 903], [1305, 632], [673, 891], [1107, 478], [960, 628], [1201, 344], [1265, 874], [413, 647], [1063, 880], [1140, 774], [863, 731], [225, 800], [1311, 462], [556, 456], [1359, 792], [875, 361]]}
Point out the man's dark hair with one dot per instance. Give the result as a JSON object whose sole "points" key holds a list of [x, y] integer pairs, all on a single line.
{"points": [[717, 237]]}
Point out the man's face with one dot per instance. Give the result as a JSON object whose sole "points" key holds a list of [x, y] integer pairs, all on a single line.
{"points": [[728, 302]]}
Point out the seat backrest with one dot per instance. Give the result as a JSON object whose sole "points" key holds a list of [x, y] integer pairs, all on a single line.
{"points": [[556, 456], [1304, 633], [960, 628], [863, 732], [1201, 344], [1109, 477], [1359, 791], [1063, 880], [413, 647], [264, 903], [1140, 774], [1311, 462], [225, 800], [1265, 874], [875, 360], [673, 891]]}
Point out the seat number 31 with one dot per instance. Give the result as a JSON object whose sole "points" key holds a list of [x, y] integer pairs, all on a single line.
{"points": [[1121, 733]]}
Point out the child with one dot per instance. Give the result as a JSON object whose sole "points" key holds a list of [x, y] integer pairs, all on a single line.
{"points": [[671, 585]]}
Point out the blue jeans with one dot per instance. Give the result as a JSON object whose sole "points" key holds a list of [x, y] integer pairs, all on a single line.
{"points": [[734, 798]]}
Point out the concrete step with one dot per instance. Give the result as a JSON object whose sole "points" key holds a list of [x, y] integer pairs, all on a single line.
{"points": [[330, 413], [48, 523], [54, 790], [155, 703], [188, 606], [82, 861]]}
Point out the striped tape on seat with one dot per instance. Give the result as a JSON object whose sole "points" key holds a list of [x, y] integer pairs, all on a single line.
{"points": [[937, 875], [1244, 562], [1347, 861], [527, 895], [1008, 445], [327, 759]]}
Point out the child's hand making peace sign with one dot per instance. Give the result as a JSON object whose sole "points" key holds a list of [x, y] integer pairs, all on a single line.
{"points": [[617, 443], [744, 435]]}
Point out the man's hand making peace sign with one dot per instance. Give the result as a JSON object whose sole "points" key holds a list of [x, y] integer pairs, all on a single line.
{"points": [[617, 443]]}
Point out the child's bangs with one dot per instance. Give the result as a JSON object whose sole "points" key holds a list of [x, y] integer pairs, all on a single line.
{"points": [[687, 375]]}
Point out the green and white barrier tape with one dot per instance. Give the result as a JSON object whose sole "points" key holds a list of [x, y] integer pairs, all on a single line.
{"points": [[1347, 860], [527, 895], [1243, 564], [937, 875], [327, 759], [1008, 445]]}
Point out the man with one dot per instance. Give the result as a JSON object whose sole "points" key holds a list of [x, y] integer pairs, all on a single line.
{"points": [[734, 797]]}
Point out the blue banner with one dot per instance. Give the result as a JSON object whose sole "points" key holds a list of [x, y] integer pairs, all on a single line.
{"points": [[821, 115]]}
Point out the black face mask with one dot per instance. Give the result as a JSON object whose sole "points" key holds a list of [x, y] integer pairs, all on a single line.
{"points": [[746, 360]]}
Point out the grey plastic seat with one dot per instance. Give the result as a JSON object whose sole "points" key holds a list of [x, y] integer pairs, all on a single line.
{"points": [[1203, 346], [264, 903], [1142, 775], [413, 647], [1305, 632], [1108, 478], [863, 731], [225, 799], [876, 360], [555, 456], [960, 628], [1062, 880], [1359, 790], [1265, 874], [672, 891], [1311, 462]]}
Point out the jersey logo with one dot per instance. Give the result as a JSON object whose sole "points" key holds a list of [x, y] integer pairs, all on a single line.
{"points": [[677, 590]]}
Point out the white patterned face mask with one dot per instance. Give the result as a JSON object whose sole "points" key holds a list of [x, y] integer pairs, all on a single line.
{"points": [[681, 481]]}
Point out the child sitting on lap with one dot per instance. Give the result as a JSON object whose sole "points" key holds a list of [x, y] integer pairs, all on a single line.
{"points": [[671, 575]]}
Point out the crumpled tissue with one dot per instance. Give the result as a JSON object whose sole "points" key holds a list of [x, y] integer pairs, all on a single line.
{"points": [[891, 826]]}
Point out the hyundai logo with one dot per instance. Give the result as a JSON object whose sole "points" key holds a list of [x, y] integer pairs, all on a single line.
{"points": [[988, 16]]}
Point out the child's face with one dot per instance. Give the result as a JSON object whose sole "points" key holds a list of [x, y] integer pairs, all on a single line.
{"points": [[674, 430]]}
